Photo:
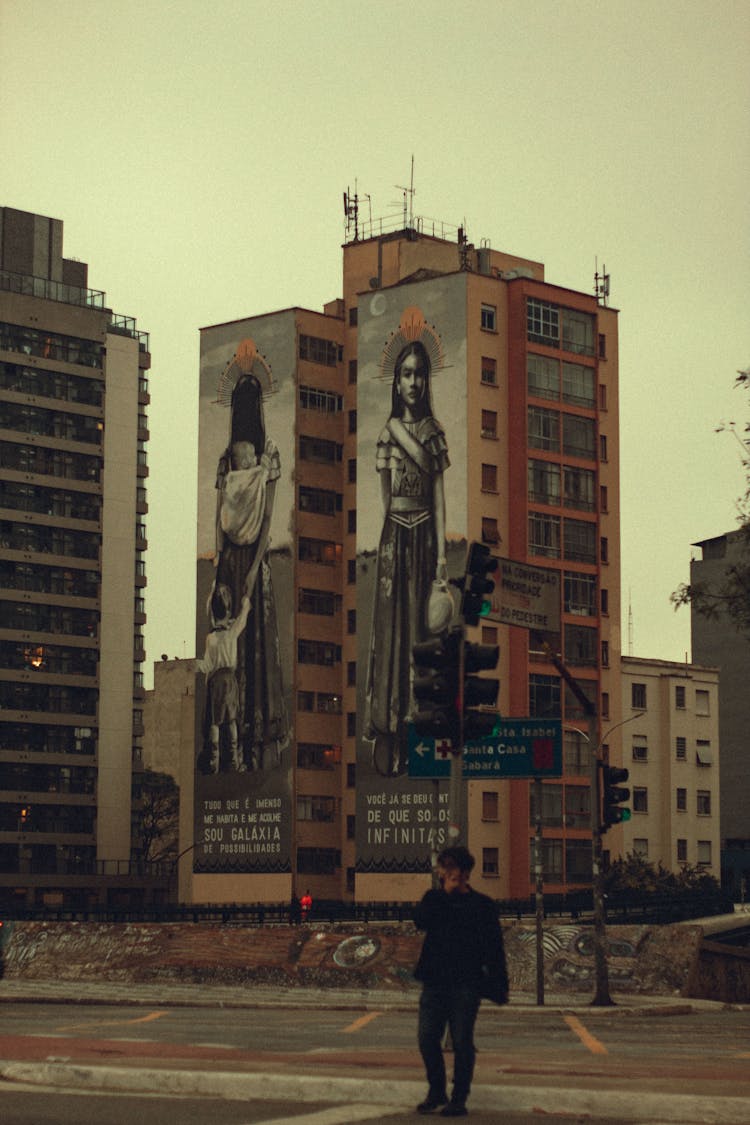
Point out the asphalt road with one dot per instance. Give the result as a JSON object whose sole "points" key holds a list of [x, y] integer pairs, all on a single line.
{"points": [[617, 1057]]}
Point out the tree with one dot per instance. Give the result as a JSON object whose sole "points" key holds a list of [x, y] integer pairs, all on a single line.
{"points": [[730, 597], [157, 827]]}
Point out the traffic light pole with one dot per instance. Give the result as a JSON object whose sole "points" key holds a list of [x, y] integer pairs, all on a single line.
{"points": [[456, 830]]}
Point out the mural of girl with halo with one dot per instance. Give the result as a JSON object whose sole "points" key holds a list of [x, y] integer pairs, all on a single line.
{"points": [[242, 601], [411, 571]]}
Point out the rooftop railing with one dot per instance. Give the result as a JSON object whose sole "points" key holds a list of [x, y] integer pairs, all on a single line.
{"points": [[30, 286]]}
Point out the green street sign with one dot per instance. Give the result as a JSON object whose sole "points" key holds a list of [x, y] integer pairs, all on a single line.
{"points": [[517, 748]]}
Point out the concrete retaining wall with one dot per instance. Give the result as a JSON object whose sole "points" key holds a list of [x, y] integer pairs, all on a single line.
{"points": [[660, 960]]}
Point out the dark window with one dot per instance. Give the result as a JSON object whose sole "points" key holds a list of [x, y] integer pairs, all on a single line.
{"points": [[317, 350]]}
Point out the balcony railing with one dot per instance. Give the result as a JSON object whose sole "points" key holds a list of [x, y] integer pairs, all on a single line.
{"points": [[51, 290]]}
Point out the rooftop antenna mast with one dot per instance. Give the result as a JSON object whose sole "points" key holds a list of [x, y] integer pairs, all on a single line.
{"points": [[630, 624], [351, 212], [408, 191], [601, 283]]}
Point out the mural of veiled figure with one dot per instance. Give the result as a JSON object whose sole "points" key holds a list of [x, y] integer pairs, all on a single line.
{"points": [[246, 722], [411, 458]]}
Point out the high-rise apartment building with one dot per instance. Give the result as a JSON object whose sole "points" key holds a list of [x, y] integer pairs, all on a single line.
{"points": [[73, 434], [716, 640], [346, 460]]}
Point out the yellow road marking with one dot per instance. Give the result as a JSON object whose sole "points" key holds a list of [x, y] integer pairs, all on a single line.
{"points": [[585, 1036], [112, 1023], [362, 1021]]}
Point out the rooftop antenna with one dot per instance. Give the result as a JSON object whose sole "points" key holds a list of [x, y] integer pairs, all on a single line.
{"points": [[601, 283], [408, 191], [351, 211], [630, 623]]}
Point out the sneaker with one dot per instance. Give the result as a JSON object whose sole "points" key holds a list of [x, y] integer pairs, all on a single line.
{"points": [[432, 1101], [455, 1109]]}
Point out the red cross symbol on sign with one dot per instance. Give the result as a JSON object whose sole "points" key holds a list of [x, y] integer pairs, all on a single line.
{"points": [[443, 749]]}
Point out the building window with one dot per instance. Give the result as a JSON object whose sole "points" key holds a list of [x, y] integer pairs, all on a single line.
{"points": [[320, 809], [604, 549], [350, 826], [578, 332], [544, 535], [542, 323], [640, 846], [351, 571], [603, 447], [552, 860], [351, 775], [579, 541], [489, 318], [544, 697], [351, 724], [578, 806], [319, 501], [316, 350], [578, 385], [543, 376], [489, 635], [603, 498], [681, 800], [544, 429], [351, 621], [579, 436], [320, 450], [605, 654], [704, 853], [318, 861], [352, 371], [351, 521], [543, 482], [327, 703], [490, 862], [578, 488], [352, 421], [640, 799], [679, 697], [489, 805], [603, 396], [489, 371], [576, 753], [353, 316], [703, 755], [489, 424], [321, 603], [489, 478], [605, 704], [351, 673], [314, 398], [680, 745], [317, 755], [605, 602], [703, 802], [319, 551], [318, 652], [702, 706], [682, 852], [640, 748], [580, 645], [352, 470], [490, 533], [638, 697]]}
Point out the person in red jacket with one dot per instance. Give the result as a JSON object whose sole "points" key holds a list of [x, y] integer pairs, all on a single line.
{"points": [[305, 904], [462, 961]]}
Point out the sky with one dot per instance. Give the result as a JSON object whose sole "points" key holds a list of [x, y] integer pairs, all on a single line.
{"points": [[198, 153]]}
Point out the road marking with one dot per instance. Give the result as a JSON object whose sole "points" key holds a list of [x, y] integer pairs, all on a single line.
{"points": [[362, 1022], [112, 1023], [344, 1115], [585, 1036]]}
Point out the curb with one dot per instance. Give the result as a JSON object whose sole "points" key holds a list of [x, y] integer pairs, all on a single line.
{"points": [[645, 1107]]}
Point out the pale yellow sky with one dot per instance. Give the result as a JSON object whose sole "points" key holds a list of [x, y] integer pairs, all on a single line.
{"points": [[197, 155]]}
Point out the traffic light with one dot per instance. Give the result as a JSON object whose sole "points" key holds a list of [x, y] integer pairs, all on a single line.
{"points": [[479, 690], [476, 585], [437, 686], [613, 796]]}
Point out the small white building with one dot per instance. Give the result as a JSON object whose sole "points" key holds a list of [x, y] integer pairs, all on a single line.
{"points": [[670, 746]]}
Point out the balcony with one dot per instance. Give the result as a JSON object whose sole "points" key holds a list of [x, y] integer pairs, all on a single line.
{"points": [[51, 290]]}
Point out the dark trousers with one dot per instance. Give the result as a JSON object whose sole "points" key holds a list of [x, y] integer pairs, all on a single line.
{"points": [[455, 1006]]}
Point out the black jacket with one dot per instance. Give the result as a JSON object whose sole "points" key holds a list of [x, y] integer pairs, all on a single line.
{"points": [[463, 943]]}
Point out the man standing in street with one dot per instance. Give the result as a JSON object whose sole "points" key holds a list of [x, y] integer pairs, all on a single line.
{"points": [[462, 961]]}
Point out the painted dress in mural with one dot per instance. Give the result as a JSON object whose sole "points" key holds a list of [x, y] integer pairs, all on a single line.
{"points": [[411, 457]]}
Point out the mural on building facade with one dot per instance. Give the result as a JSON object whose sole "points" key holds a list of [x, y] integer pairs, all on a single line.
{"points": [[407, 545], [242, 807]]}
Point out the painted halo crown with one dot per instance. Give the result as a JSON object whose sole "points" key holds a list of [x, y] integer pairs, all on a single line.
{"points": [[412, 327], [247, 360]]}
